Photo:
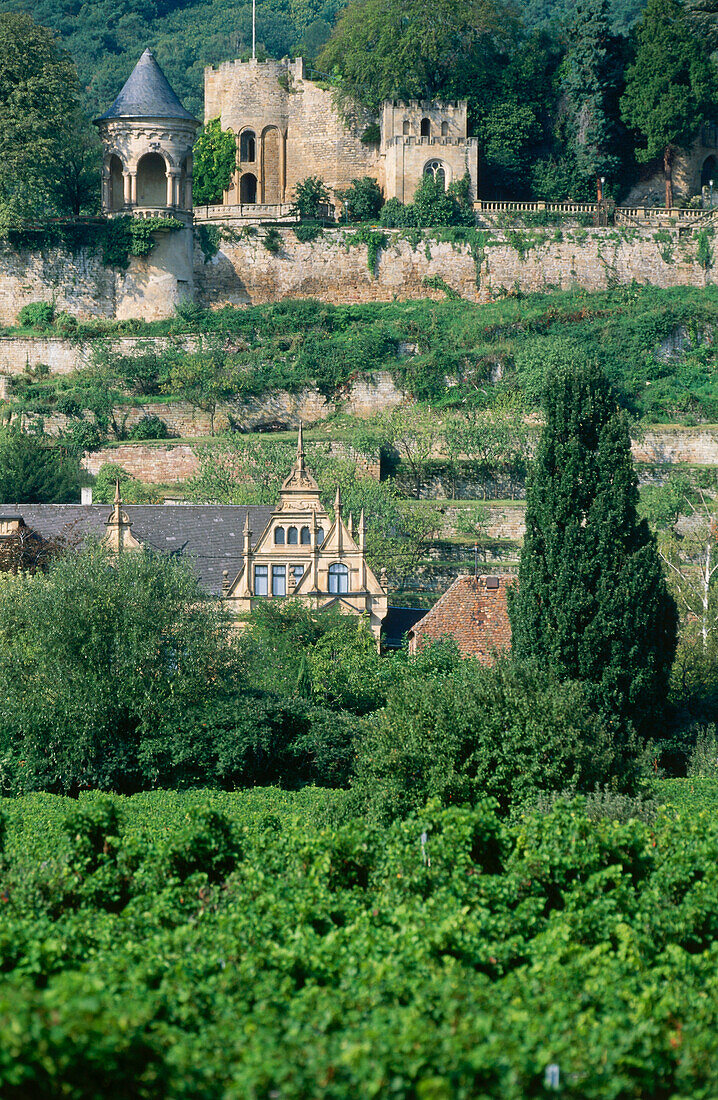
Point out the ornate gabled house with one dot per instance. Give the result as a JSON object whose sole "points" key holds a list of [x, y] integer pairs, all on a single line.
{"points": [[304, 553]]}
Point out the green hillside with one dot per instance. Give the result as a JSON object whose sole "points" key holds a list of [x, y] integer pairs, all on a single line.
{"points": [[105, 37]]}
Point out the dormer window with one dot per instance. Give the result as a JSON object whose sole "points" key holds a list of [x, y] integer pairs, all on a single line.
{"points": [[293, 536], [279, 536], [261, 580], [320, 536], [338, 579], [306, 537]]}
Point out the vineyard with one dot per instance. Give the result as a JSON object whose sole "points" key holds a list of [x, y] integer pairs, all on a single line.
{"points": [[269, 944]]}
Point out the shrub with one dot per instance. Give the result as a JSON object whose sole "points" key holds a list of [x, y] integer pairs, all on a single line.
{"points": [[509, 731], [395, 215], [37, 315], [308, 231], [310, 195], [372, 134], [363, 199], [205, 844], [149, 427]]}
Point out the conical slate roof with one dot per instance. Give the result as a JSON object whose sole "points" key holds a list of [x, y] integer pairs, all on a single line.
{"points": [[147, 94]]}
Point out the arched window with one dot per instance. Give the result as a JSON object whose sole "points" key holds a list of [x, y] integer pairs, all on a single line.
{"points": [[320, 536], [248, 188], [292, 536], [425, 127], [116, 197], [151, 180], [338, 578], [306, 537], [406, 129], [247, 147], [436, 169], [279, 536], [444, 129]]}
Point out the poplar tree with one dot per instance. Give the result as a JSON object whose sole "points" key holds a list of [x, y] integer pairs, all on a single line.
{"points": [[592, 602]]}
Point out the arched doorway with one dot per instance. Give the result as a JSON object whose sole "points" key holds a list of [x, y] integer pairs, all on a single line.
{"points": [[248, 187], [116, 197], [709, 172], [436, 169], [425, 127], [247, 147], [151, 180]]}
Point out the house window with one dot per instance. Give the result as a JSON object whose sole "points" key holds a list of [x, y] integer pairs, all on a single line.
{"points": [[298, 572], [444, 129], [292, 536], [306, 537], [425, 128], [260, 580], [279, 580], [320, 536], [338, 578], [279, 536]]}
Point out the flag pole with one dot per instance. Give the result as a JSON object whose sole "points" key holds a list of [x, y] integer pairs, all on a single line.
{"points": [[254, 29]]}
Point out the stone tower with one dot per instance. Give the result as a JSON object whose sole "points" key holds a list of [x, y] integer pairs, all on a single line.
{"points": [[147, 138]]}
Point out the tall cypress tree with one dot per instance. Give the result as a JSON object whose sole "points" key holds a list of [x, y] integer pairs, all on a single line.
{"points": [[592, 601], [592, 78]]}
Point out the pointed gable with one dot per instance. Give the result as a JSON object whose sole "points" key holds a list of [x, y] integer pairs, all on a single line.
{"points": [[473, 612], [147, 93]]}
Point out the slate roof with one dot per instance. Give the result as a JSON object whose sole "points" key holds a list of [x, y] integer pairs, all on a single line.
{"points": [[147, 93], [210, 535], [473, 612]]}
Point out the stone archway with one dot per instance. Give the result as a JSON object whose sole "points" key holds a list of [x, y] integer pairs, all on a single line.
{"points": [[248, 188], [152, 180]]}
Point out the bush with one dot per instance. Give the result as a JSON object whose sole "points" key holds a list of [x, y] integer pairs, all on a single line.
{"points": [[507, 731], [308, 231], [363, 199], [149, 427], [395, 215], [206, 844], [38, 315], [310, 195]]}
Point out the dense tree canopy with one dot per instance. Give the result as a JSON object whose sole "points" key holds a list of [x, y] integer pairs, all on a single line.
{"points": [[35, 470], [672, 86]]}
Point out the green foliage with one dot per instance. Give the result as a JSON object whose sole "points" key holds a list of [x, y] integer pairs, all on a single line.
{"points": [[149, 426], [592, 602], [214, 161], [371, 135], [209, 240], [362, 200], [704, 250], [374, 240], [671, 87], [132, 490], [38, 315], [589, 944], [407, 51], [95, 656], [469, 731], [308, 231], [272, 240], [36, 470], [310, 198], [39, 95]]}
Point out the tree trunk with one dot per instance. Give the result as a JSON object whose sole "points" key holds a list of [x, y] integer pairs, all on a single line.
{"points": [[668, 173]]}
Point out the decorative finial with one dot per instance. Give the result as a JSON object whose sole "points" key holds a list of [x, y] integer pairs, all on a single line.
{"points": [[350, 525], [338, 503], [247, 528], [300, 442], [118, 498]]}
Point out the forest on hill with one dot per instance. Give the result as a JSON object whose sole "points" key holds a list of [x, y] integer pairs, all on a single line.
{"points": [[105, 37]]}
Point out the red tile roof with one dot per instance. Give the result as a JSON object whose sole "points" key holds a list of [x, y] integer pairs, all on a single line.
{"points": [[473, 612]]}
